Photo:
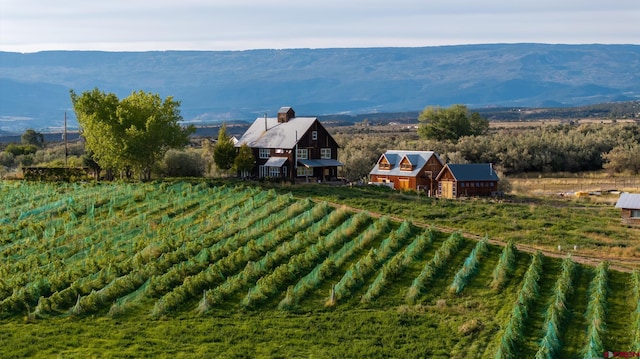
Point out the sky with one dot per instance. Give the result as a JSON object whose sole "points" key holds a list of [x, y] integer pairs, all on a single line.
{"points": [[136, 25]]}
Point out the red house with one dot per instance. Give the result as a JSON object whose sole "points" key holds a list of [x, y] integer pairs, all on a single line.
{"points": [[415, 170]]}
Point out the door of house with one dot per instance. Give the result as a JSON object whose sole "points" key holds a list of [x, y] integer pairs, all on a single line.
{"points": [[447, 189], [403, 183]]}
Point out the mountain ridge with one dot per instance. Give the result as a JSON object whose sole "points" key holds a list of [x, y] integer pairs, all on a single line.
{"points": [[216, 86]]}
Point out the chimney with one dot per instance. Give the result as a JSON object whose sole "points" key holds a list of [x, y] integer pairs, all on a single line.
{"points": [[265, 121], [285, 114]]}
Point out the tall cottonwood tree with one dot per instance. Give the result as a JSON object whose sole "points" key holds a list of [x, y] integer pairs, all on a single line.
{"points": [[131, 134], [451, 123]]}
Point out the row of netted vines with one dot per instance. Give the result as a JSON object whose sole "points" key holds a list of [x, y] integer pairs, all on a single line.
{"points": [[59, 269], [251, 251], [273, 283], [343, 236], [596, 312], [81, 267], [394, 267], [188, 261], [514, 330], [189, 247], [635, 278], [314, 239], [554, 317], [355, 275], [432, 267], [469, 267], [505, 266]]}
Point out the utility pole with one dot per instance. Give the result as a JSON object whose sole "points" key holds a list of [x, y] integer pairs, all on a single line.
{"points": [[66, 152]]}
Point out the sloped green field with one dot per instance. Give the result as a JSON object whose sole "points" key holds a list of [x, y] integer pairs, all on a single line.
{"points": [[230, 271]]}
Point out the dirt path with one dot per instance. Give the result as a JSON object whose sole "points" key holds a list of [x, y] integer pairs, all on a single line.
{"points": [[619, 264]]}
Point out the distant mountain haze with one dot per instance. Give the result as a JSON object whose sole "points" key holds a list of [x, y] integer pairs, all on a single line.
{"points": [[216, 86]]}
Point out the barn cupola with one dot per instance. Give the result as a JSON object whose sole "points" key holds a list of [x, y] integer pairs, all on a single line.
{"points": [[285, 114]]}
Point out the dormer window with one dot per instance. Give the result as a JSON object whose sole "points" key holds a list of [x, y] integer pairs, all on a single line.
{"points": [[405, 166], [384, 164]]}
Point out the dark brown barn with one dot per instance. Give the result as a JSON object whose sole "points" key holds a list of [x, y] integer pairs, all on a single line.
{"points": [[467, 180], [290, 147]]}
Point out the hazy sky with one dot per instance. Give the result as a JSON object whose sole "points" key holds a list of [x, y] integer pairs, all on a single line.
{"points": [[136, 25]]}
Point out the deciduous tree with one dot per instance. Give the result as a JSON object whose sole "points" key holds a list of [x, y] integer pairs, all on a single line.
{"points": [[131, 134], [451, 123], [32, 137]]}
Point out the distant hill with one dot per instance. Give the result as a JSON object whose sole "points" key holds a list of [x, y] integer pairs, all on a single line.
{"points": [[217, 86]]}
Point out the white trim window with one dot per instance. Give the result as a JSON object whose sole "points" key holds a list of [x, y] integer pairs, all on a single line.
{"points": [[325, 153], [302, 154], [263, 171], [314, 135], [264, 153], [304, 171], [274, 172]]}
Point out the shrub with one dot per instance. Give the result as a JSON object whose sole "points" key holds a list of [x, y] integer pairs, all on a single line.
{"points": [[183, 164]]}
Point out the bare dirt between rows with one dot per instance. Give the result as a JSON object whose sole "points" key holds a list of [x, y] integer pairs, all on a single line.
{"points": [[619, 264]]}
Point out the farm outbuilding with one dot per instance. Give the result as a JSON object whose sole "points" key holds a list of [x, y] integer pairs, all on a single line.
{"points": [[630, 205], [469, 179], [416, 170]]}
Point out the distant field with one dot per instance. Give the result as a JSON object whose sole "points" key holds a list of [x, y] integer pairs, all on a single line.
{"points": [[600, 185], [232, 271]]}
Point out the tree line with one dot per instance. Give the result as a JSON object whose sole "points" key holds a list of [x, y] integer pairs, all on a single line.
{"points": [[142, 134], [614, 147]]}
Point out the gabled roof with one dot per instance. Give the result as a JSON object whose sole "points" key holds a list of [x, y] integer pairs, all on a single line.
{"points": [[417, 158], [470, 172], [628, 201], [268, 133]]}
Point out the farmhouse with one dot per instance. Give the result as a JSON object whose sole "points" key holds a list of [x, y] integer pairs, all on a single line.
{"points": [[471, 179], [630, 205], [415, 170], [290, 147]]}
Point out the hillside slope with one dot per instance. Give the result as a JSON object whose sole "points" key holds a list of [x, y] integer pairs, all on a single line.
{"points": [[240, 85]]}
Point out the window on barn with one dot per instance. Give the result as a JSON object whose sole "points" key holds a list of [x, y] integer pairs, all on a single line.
{"points": [[325, 153], [265, 153], [406, 166], [304, 171], [274, 171], [314, 135], [302, 154], [635, 213]]}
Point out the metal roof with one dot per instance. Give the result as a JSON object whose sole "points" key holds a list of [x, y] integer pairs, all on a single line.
{"points": [[628, 201], [328, 162], [472, 172], [275, 161], [268, 133], [417, 158]]}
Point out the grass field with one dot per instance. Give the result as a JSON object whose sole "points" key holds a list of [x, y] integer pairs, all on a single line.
{"points": [[224, 270]]}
